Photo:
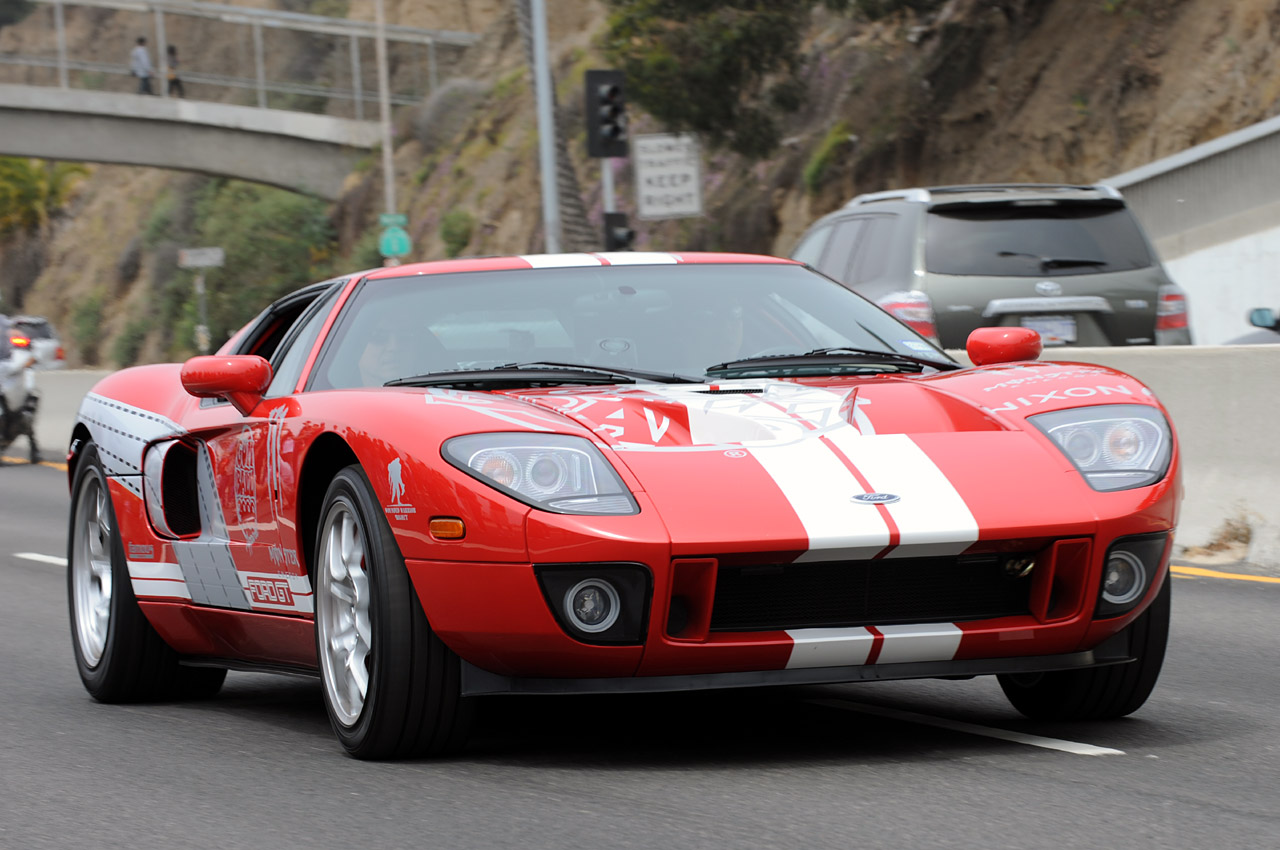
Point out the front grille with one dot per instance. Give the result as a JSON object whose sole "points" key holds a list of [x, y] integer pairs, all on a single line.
{"points": [[860, 593]]}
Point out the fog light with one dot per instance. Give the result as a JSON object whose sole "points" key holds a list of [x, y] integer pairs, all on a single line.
{"points": [[1124, 578], [592, 605]]}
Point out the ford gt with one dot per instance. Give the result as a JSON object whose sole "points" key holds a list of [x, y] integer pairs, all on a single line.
{"points": [[614, 473]]}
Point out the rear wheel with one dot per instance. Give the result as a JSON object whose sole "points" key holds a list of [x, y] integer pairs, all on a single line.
{"points": [[118, 654], [392, 688], [1100, 692]]}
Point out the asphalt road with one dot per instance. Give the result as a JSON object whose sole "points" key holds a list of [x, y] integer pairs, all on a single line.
{"points": [[799, 768]]}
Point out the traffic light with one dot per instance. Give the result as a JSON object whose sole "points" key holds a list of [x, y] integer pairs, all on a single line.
{"points": [[606, 114], [617, 235]]}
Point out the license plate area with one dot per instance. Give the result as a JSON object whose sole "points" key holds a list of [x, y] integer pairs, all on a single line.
{"points": [[1053, 330]]}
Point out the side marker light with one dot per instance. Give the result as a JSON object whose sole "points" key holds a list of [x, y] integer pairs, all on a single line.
{"points": [[447, 528]]}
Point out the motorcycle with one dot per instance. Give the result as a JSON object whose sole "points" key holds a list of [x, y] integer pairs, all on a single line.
{"points": [[19, 400]]}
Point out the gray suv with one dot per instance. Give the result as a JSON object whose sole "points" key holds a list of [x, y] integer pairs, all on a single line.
{"points": [[1070, 262]]}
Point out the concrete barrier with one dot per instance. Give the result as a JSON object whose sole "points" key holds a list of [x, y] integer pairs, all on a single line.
{"points": [[1223, 401]]}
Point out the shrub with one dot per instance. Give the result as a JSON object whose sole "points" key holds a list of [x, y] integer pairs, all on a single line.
{"points": [[128, 344], [455, 230], [86, 327]]}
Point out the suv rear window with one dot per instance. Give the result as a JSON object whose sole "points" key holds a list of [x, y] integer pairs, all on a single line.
{"points": [[1026, 241]]}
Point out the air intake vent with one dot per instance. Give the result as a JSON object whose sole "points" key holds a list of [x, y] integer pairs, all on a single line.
{"points": [[735, 391]]}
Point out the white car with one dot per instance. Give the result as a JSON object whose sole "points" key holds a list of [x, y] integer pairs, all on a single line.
{"points": [[38, 335]]}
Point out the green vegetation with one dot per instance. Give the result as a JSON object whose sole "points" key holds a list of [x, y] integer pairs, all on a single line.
{"points": [[509, 84], [365, 253], [455, 230], [816, 169], [128, 344], [160, 221], [32, 191], [726, 69], [86, 327]]}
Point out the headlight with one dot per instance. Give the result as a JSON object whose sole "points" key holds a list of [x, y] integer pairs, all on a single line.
{"points": [[1115, 446], [554, 472]]}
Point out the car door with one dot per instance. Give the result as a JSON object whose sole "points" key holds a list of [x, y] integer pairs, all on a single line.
{"points": [[241, 455]]}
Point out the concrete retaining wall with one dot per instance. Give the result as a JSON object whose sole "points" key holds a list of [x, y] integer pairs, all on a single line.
{"points": [[1224, 401]]}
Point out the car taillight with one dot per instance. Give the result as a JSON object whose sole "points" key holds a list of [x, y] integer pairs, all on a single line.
{"points": [[913, 309], [61, 355], [1171, 307], [19, 342]]}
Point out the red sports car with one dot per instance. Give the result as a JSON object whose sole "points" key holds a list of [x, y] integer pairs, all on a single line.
{"points": [[624, 472]]}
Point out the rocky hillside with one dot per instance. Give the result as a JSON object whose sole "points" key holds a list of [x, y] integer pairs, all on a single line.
{"points": [[978, 90]]}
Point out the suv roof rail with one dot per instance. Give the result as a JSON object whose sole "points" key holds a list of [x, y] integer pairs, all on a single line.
{"points": [[918, 195], [924, 196]]}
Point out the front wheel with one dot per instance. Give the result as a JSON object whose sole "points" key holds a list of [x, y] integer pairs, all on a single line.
{"points": [[118, 654], [392, 688], [1099, 693]]}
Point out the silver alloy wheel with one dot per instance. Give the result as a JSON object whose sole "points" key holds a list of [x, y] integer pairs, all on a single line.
{"points": [[346, 631], [91, 570]]}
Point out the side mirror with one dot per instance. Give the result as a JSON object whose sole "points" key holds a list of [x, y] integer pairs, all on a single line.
{"points": [[1002, 345], [1263, 317], [239, 378]]}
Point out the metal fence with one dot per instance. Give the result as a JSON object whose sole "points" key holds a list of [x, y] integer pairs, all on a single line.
{"points": [[417, 52]]}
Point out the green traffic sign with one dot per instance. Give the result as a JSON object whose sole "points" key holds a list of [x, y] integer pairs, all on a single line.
{"points": [[394, 242], [393, 220]]}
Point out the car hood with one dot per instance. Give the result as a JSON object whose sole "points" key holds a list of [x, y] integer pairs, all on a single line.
{"points": [[850, 467]]}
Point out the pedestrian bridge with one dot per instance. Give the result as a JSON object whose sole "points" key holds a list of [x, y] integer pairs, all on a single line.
{"points": [[299, 151]]}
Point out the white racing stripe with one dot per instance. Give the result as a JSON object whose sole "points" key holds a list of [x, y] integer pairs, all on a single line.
{"points": [[158, 579], [560, 261], [926, 642], [820, 490], [41, 559], [637, 258], [931, 516], [829, 647], [1073, 747], [851, 647]]}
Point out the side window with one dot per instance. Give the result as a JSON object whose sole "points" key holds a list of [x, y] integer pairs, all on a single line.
{"points": [[873, 256], [839, 255], [810, 248], [287, 367]]}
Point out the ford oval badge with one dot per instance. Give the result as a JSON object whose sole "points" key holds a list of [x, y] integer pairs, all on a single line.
{"points": [[1049, 288], [876, 498]]}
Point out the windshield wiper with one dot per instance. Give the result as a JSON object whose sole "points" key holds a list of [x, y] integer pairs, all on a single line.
{"points": [[829, 358], [1054, 262], [541, 373], [631, 374]]}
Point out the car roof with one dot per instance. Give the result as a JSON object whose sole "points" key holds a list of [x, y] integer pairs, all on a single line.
{"points": [[936, 196], [546, 261]]}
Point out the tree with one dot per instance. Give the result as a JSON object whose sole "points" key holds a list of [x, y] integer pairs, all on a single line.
{"points": [[32, 191], [725, 69], [12, 11]]}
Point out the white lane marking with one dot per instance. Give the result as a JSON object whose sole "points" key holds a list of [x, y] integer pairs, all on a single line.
{"points": [[44, 559], [1058, 744]]}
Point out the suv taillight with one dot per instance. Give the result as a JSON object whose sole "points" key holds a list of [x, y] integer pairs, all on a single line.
{"points": [[913, 309], [1171, 307]]}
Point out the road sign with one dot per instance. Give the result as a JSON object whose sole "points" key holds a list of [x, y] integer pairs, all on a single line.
{"points": [[200, 258], [393, 220], [394, 242], [668, 176]]}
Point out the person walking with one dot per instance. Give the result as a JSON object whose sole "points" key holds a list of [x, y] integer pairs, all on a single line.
{"points": [[140, 66], [175, 82]]}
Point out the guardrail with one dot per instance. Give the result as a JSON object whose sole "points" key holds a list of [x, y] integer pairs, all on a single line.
{"points": [[1221, 399]]}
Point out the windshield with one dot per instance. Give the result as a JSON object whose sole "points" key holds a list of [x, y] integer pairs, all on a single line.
{"points": [[1012, 241], [665, 319]]}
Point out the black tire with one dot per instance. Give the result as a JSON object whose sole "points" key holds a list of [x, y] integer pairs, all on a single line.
{"points": [[412, 704], [1099, 693], [123, 659]]}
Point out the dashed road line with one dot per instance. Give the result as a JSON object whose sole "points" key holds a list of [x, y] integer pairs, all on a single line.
{"points": [[1073, 747], [43, 559]]}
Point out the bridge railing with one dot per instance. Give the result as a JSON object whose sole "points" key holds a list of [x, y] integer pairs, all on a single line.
{"points": [[413, 48]]}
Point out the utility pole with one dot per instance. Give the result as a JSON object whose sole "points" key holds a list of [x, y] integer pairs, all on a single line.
{"points": [[546, 127], [384, 112]]}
